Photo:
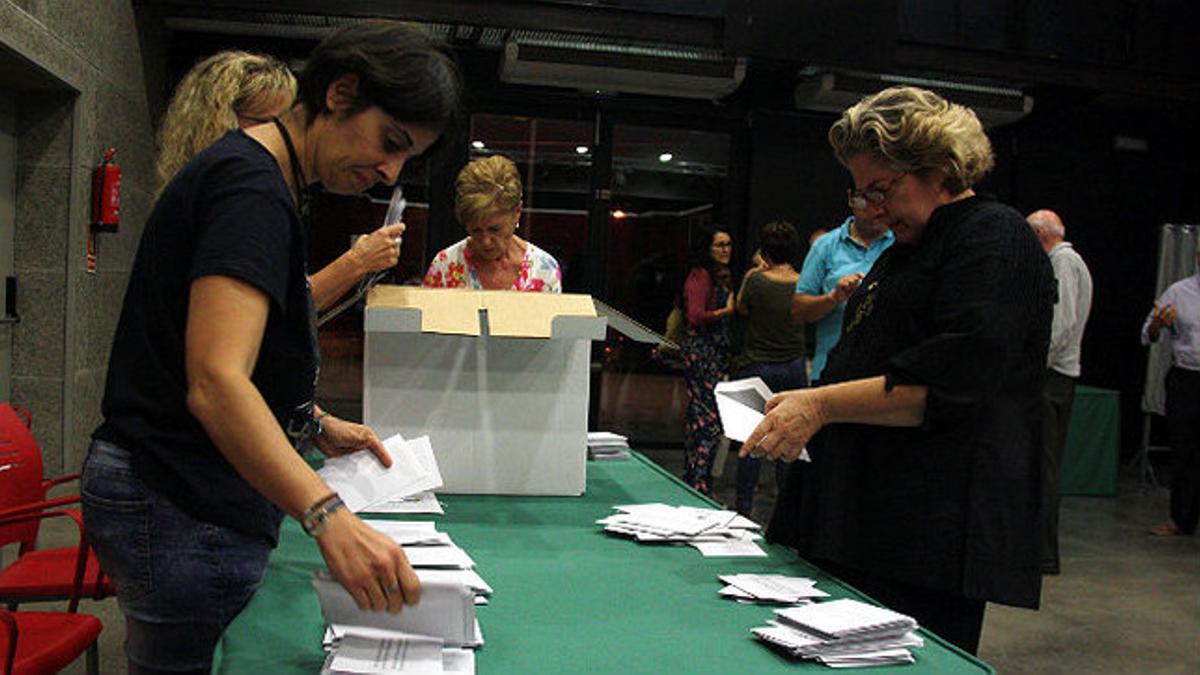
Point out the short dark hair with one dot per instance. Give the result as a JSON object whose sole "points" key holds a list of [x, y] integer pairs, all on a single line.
{"points": [[400, 69], [780, 242]]}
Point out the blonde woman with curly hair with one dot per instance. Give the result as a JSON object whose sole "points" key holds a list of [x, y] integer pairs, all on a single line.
{"points": [[488, 202], [924, 487], [238, 90], [228, 90]]}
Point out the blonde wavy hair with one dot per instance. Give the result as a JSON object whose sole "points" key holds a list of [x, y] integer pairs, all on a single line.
{"points": [[915, 130], [208, 100], [486, 187]]}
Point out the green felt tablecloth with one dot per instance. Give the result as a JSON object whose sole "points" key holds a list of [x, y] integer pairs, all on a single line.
{"points": [[1090, 458], [568, 598]]}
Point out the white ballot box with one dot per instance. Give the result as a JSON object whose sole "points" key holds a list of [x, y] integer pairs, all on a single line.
{"points": [[498, 380]]}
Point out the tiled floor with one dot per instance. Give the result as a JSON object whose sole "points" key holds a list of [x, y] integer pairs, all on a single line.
{"points": [[1126, 602]]}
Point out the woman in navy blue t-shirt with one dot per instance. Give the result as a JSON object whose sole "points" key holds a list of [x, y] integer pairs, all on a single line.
{"points": [[214, 362]]}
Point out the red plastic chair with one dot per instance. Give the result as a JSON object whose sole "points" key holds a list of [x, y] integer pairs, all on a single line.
{"points": [[37, 643], [45, 574]]}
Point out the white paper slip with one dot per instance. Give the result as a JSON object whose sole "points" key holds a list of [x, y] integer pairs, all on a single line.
{"points": [[451, 557], [741, 405], [361, 480], [410, 533], [357, 653], [606, 438], [334, 633], [775, 587], [446, 611], [733, 548], [469, 578], [882, 657], [458, 661], [423, 449], [422, 502]]}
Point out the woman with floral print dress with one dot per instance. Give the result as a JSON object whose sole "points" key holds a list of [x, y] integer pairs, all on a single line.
{"points": [[488, 202], [705, 351]]}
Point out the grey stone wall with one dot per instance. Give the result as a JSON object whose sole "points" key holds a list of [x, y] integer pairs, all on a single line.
{"points": [[104, 65]]}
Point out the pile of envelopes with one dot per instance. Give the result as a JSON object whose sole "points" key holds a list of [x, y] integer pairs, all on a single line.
{"points": [[440, 633], [435, 635], [605, 445], [843, 633], [713, 532]]}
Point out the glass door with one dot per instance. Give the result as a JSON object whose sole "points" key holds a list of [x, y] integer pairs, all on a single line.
{"points": [[554, 157], [665, 183]]}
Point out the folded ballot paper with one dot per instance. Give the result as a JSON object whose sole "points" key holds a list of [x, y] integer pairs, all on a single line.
{"points": [[742, 405], [843, 633], [770, 588], [363, 482], [607, 446], [446, 611], [368, 650], [714, 533]]}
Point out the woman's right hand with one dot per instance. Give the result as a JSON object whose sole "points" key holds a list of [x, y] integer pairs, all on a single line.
{"points": [[378, 250], [791, 419], [368, 564]]}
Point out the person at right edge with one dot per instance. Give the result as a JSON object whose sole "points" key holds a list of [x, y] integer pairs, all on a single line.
{"points": [[1062, 365], [924, 490], [1176, 316]]}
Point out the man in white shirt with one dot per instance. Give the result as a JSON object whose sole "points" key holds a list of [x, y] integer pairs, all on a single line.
{"points": [[1066, 334]]}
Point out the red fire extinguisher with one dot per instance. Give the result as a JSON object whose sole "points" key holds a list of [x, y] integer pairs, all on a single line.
{"points": [[106, 194]]}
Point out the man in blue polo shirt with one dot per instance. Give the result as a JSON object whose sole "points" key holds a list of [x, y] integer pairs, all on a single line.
{"points": [[835, 264]]}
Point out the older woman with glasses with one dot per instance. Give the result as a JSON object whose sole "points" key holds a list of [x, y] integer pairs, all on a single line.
{"points": [[924, 488]]}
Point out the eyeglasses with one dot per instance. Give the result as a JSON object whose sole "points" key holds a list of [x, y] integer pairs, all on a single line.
{"points": [[877, 195]]}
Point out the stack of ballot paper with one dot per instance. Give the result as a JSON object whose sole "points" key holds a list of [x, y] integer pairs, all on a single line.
{"points": [[605, 445], [770, 588], [843, 633], [433, 636], [714, 533], [364, 484], [365, 650]]}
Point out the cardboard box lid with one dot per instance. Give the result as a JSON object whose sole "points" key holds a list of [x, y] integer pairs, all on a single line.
{"points": [[455, 311]]}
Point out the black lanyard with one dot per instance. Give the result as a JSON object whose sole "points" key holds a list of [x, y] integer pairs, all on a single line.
{"points": [[297, 174]]}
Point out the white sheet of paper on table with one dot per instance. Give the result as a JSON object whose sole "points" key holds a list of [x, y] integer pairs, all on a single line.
{"points": [[410, 654]]}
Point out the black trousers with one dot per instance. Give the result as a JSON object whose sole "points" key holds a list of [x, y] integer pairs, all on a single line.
{"points": [[1057, 397], [1183, 427], [953, 618]]}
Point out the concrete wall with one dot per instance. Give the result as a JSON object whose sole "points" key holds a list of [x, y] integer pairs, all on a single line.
{"points": [[89, 76]]}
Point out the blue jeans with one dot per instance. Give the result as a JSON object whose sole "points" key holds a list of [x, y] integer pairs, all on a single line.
{"points": [[779, 376], [180, 581]]}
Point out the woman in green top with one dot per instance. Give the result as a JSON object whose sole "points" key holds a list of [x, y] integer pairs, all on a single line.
{"points": [[773, 346]]}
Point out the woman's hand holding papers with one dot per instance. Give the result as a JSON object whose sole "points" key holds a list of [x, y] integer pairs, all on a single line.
{"points": [[791, 419], [368, 563], [339, 437], [371, 566]]}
